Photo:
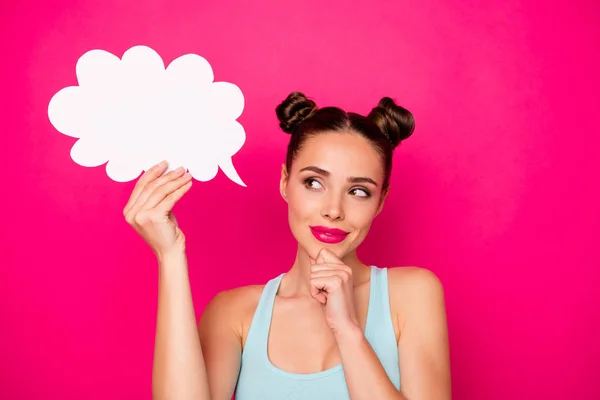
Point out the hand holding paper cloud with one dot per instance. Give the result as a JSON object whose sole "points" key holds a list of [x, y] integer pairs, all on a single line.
{"points": [[149, 209], [133, 113]]}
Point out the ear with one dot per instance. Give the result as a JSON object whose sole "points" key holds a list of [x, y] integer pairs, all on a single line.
{"points": [[283, 182], [384, 195]]}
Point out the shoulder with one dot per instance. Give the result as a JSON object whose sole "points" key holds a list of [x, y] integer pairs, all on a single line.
{"points": [[423, 346], [236, 302], [230, 311], [221, 337], [414, 280], [414, 292], [238, 296]]}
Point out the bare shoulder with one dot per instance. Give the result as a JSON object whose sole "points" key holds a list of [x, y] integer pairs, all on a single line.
{"points": [[233, 308], [236, 299], [235, 302], [414, 280], [414, 290], [221, 333]]}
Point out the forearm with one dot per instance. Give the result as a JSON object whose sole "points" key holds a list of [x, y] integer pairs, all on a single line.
{"points": [[178, 370], [365, 376]]}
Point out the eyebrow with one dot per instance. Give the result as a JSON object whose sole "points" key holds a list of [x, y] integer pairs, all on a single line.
{"points": [[352, 179]]}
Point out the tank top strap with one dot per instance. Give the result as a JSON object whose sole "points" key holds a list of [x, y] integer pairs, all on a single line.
{"points": [[380, 327], [258, 333], [382, 293], [379, 315]]}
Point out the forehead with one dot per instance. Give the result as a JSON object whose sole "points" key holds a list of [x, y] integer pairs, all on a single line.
{"points": [[342, 153]]}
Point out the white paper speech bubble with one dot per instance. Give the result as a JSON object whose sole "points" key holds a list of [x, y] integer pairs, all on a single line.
{"points": [[133, 113]]}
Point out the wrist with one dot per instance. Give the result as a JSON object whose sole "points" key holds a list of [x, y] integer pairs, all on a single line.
{"points": [[350, 334], [171, 257]]}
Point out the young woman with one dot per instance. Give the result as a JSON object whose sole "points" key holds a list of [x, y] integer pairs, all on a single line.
{"points": [[332, 327]]}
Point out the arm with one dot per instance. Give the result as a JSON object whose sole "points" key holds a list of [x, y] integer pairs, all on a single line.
{"points": [[422, 349], [178, 370], [365, 377], [220, 331], [199, 362]]}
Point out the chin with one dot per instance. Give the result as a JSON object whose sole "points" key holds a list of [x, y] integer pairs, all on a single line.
{"points": [[312, 249]]}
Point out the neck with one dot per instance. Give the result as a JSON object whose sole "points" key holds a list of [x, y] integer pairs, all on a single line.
{"points": [[296, 283]]}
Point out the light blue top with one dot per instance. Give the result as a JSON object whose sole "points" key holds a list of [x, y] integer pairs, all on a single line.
{"points": [[260, 379]]}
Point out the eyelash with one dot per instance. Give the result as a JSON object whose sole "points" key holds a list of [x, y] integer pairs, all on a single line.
{"points": [[307, 182]]}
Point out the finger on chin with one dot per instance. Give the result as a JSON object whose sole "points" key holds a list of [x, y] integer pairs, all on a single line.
{"points": [[329, 256]]}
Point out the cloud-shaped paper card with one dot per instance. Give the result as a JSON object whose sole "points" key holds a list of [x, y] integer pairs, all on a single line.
{"points": [[132, 113]]}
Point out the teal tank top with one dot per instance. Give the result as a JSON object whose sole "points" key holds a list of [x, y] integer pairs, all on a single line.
{"points": [[259, 379]]}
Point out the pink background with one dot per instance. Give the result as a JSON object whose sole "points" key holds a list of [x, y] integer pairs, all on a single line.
{"points": [[497, 192]]}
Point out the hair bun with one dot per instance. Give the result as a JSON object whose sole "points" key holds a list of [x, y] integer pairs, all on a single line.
{"points": [[394, 121], [293, 110]]}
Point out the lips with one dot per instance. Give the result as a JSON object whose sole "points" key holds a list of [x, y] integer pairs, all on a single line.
{"points": [[328, 235]]}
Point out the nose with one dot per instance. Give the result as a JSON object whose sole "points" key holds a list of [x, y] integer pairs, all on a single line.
{"points": [[332, 208]]}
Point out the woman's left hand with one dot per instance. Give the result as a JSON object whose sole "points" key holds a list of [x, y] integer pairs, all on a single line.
{"points": [[331, 285]]}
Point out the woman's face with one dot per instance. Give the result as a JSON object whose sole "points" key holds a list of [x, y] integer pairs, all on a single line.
{"points": [[333, 192]]}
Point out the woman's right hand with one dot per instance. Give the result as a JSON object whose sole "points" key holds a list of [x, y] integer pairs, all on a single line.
{"points": [[149, 209]]}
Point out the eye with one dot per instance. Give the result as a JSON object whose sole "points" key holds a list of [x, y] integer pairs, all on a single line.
{"points": [[312, 183], [360, 192]]}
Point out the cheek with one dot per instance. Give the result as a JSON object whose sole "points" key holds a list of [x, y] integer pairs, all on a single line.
{"points": [[363, 222], [299, 203], [362, 216]]}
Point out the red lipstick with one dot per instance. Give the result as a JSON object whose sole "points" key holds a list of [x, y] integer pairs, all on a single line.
{"points": [[328, 235]]}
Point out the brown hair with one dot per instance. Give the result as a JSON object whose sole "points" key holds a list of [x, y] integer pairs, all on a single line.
{"points": [[386, 126]]}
